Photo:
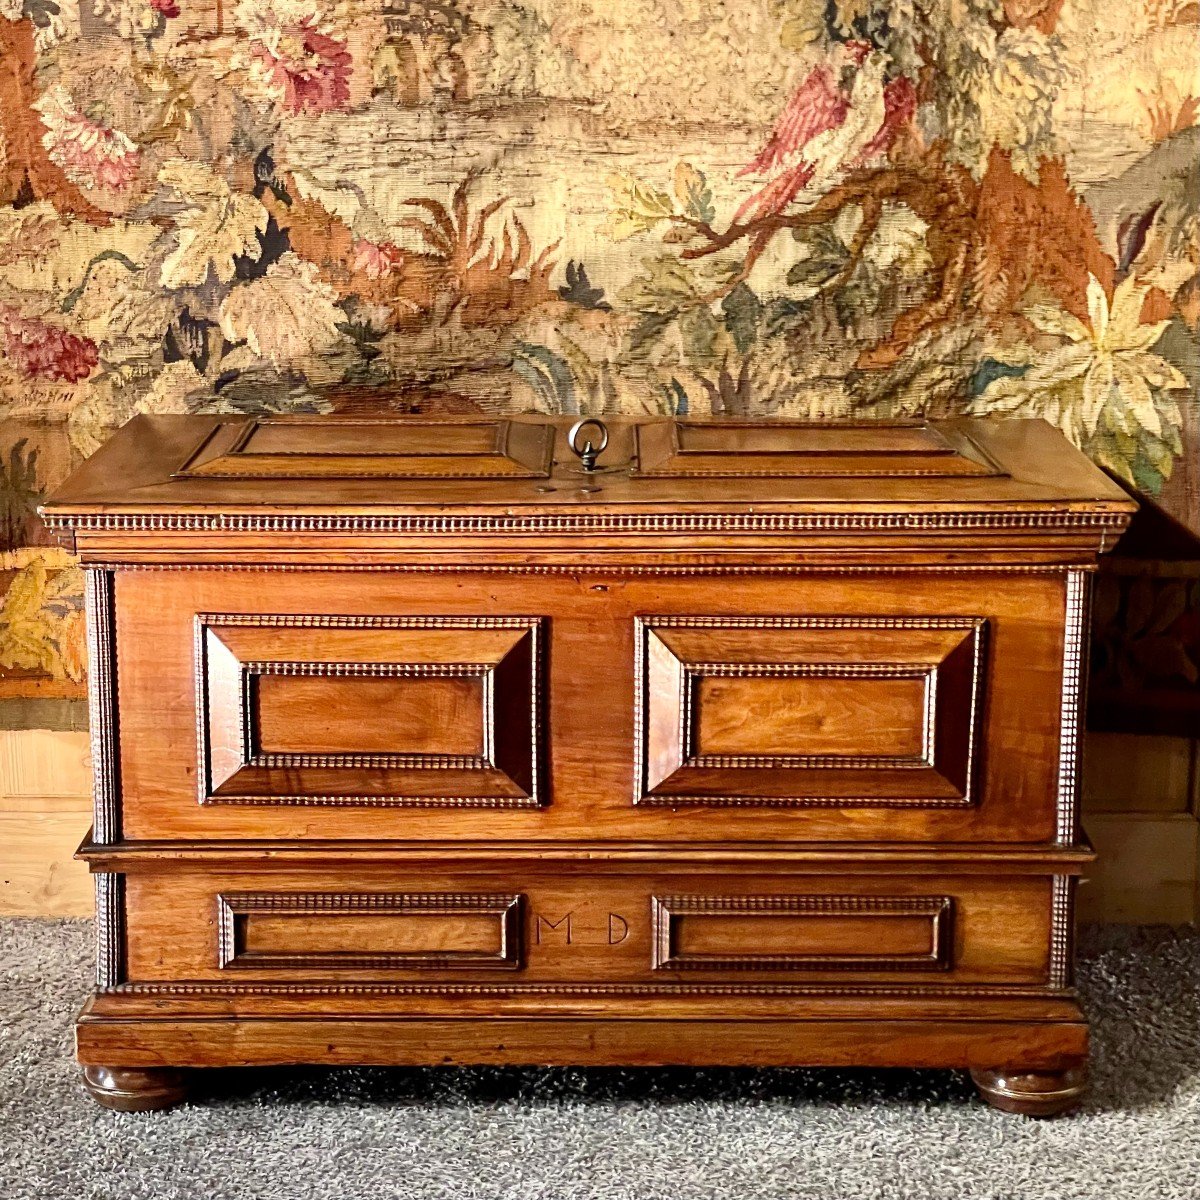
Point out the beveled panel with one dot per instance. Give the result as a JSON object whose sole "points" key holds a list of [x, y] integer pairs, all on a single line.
{"points": [[409, 714], [733, 449], [807, 710], [802, 933], [304, 931], [371, 447], [310, 709]]}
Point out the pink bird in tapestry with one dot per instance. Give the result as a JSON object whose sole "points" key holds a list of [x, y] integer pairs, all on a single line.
{"points": [[832, 123]]}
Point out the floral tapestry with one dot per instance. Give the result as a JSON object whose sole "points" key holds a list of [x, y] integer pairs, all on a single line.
{"points": [[793, 208]]}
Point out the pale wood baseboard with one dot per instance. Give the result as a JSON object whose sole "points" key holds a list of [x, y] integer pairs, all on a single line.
{"points": [[38, 877], [45, 811], [1145, 872], [1140, 804]]}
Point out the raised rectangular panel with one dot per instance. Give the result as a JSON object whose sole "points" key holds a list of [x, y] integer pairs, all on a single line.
{"points": [[834, 710], [298, 931], [775, 712], [802, 933], [368, 710], [365, 447], [740, 449], [435, 716]]}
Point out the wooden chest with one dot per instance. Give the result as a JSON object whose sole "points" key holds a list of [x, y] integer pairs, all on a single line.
{"points": [[429, 741]]}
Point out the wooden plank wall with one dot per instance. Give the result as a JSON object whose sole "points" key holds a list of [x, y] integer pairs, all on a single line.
{"points": [[1142, 811], [1141, 804]]}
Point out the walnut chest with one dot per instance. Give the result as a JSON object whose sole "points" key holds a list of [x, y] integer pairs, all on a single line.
{"points": [[482, 740]]}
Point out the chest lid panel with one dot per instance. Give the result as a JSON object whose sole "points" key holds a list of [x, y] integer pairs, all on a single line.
{"points": [[734, 449], [356, 448]]}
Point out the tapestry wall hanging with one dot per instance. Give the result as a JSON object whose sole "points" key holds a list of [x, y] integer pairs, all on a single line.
{"points": [[793, 208]]}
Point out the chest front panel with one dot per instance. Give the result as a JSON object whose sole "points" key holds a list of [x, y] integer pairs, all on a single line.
{"points": [[918, 706]]}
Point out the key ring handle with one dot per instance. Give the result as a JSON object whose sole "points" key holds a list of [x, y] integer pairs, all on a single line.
{"points": [[588, 452]]}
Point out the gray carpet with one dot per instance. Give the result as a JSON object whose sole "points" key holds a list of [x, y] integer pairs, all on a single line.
{"points": [[314, 1134]]}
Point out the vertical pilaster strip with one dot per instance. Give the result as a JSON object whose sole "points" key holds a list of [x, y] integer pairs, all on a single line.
{"points": [[1062, 931], [1074, 677], [106, 773], [110, 929], [102, 706]]}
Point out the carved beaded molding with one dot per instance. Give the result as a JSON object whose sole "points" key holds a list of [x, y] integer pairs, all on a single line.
{"points": [[1078, 625], [1062, 931], [110, 929], [816, 622], [360, 621], [665, 990], [674, 523], [102, 706], [594, 568]]}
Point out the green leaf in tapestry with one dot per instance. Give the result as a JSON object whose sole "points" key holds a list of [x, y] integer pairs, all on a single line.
{"points": [[649, 328], [20, 493], [694, 194], [742, 310], [549, 375], [665, 286], [698, 331]]}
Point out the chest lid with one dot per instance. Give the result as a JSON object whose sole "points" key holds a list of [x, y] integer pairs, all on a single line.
{"points": [[519, 476]]}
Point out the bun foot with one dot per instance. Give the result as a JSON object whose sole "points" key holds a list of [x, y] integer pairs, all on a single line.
{"points": [[135, 1089], [1032, 1093]]}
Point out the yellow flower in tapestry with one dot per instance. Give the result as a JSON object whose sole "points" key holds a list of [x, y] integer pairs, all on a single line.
{"points": [[41, 623], [287, 316], [637, 207], [1102, 387], [220, 226]]}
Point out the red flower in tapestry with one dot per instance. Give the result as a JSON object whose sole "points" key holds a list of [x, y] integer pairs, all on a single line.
{"points": [[91, 153], [308, 68], [44, 351]]}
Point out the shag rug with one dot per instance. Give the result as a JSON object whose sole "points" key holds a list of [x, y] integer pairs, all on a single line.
{"points": [[438, 1134]]}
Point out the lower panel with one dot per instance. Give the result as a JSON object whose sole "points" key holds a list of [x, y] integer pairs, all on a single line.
{"points": [[581, 1042], [653, 931]]}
